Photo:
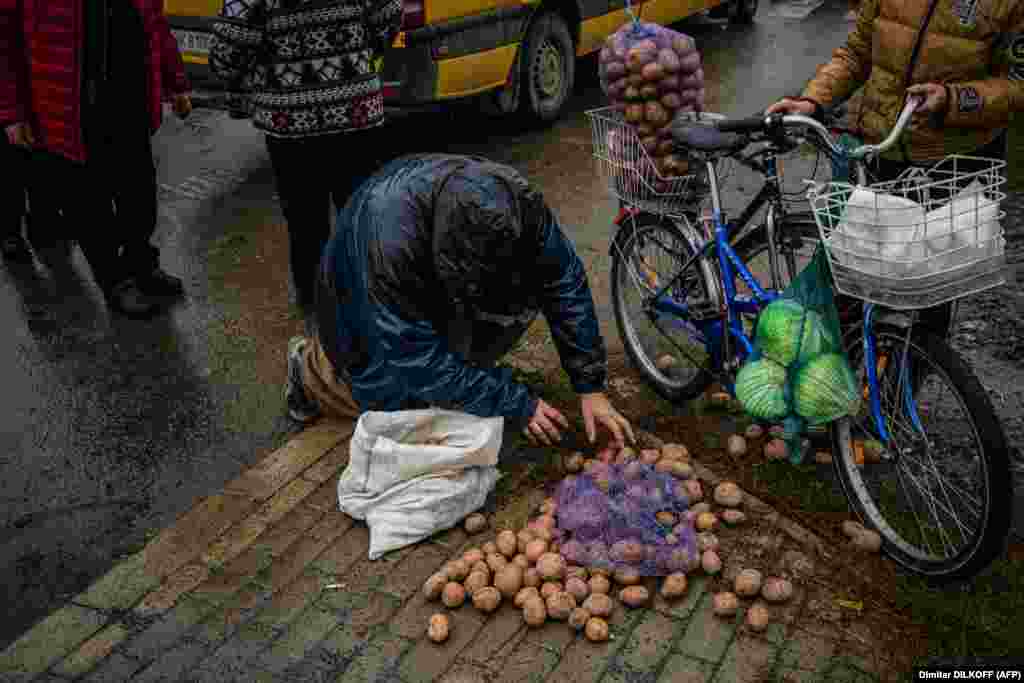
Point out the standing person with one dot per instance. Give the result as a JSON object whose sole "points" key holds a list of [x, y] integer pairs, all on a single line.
{"points": [[13, 245], [966, 58], [83, 89], [306, 71]]}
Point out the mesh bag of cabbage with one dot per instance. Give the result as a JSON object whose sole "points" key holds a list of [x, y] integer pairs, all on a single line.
{"points": [[626, 517], [798, 373]]}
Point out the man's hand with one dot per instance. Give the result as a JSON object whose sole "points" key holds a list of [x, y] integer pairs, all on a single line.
{"points": [[597, 409], [791, 106], [182, 105], [20, 135], [543, 427], [936, 99]]}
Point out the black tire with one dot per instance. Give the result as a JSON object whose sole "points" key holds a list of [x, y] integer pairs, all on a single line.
{"points": [[985, 543], [742, 12], [636, 234], [547, 69], [798, 234]]}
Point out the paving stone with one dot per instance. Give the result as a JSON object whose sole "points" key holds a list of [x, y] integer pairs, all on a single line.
{"points": [[378, 660], [807, 652], [465, 673], [162, 634], [584, 661], [227, 581], [428, 660], [410, 574], [50, 640], [747, 659], [285, 502], [411, 621], [344, 552], [291, 601], [113, 669], [528, 663], [303, 633], [650, 642], [328, 467], [179, 583], [683, 669], [173, 664], [500, 634], [122, 586], [797, 676], [378, 609], [193, 533], [91, 652], [225, 620], [451, 540], [707, 637], [696, 587], [339, 647], [286, 569], [308, 671], [281, 535], [552, 635], [241, 651], [230, 672], [325, 498], [617, 674], [234, 542]]}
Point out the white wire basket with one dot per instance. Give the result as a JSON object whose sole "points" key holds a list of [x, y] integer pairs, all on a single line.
{"points": [[930, 236], [632, 173]]}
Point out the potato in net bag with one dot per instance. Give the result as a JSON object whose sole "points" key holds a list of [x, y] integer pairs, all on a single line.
{"points": [[626, 517]]}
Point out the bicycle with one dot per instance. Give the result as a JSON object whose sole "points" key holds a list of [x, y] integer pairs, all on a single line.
{"points": [[699, 308]]}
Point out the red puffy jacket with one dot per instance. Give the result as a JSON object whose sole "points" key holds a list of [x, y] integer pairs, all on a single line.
{"points": [[41, 68]]}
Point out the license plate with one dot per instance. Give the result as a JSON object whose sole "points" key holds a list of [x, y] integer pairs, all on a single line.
{"points": [[196, 42]]}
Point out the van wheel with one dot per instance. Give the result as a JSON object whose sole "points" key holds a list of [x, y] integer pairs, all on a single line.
{"points": [[548, 69]]}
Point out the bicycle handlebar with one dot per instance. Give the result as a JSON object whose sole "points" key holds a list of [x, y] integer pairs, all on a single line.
{"points": [[751, 124]]}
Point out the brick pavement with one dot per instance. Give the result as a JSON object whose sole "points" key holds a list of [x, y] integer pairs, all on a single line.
{"points": [[236, 590]]}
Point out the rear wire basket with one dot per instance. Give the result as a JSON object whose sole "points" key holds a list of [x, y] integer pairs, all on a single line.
{"points": [[631, 172], [929, 237]]}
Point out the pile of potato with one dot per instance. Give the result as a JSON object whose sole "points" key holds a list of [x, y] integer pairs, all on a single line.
{"points": [[650, 73], [529, 568]]}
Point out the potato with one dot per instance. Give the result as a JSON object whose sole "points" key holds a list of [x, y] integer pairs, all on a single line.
{"points": [[599, 584], [628, 552], [733, 517], [636, 80], [631, 93], [725, 604], [614, 69], [694, 491], [653, 72], [635, 596], [868, 541], [670, 539], [775, 450], [707, 541], [487, 599], [748, 583], [574, 463], [776, 590], [671, 100], [545, 523], [543, 533], [453, 595], [507, 543], [523, 537], [690, 63], [754, 432], [853, 529], [596, 630], [531, 578], [579, 618], [475, 523], [650, 143], [560, 606], [577, 588], [649, 457], [496, 561], [473, 555], [668, 60], [580, 573], [706, 521], [674, 586], [521, 561], [475, 581], [710, 562], [457, 570], [683, 45], [655, 114], [669, 84], [524, 594], [551, 566], [627, 454], [649, 91], [664, 465], [438, 628], [535, 548], [758, 616], [550, 588], [666, 518], [509, 580], [535, 613], [481, 567], [627, 577], [489, 548], [675, 451], [641, 54], [682, 470], [434, 585], [616, 89], [728, 494], [599, 605]]}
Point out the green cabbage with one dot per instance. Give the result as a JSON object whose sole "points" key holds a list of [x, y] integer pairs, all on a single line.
{"points": [[761, 388], [825, 389], [779, 333]]}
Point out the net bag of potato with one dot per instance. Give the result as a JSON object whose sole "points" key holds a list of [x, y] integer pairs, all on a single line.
{"points": [[650, 73], [798, 373], [626, 517]]}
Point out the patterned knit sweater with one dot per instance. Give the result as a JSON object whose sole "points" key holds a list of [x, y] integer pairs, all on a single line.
{"points": [[305, 67]]}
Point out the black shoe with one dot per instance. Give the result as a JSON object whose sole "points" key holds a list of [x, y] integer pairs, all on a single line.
{"points": [[129, 300], [15, 249], [160, 283]]}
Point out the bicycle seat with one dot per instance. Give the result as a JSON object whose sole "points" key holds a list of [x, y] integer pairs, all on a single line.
{"points": [[704, 137]]}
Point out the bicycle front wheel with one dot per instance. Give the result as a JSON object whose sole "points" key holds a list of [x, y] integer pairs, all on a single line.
{"points": [[940, 492], [668, 350]]}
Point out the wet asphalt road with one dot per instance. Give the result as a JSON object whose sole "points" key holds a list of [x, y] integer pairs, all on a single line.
{"points": [[113, 428]]}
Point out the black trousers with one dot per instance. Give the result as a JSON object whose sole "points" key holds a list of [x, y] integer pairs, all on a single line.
{"points": [[312, 173], [22, 179]]}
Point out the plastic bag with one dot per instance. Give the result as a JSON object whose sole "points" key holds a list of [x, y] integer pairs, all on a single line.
{"points": [[964, 229], [881, 234], [626, 517], [412, 473], [650, 73], [798, 373]]}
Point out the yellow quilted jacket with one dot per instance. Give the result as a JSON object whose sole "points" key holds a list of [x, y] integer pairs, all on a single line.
{"points": [[975, 47]]}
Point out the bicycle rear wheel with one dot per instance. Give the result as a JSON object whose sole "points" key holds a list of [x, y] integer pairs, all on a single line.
{"points": [[939, 496], [668, 351]]}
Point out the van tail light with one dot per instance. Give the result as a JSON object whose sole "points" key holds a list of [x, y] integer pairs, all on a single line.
{"points": [[413, 14]]}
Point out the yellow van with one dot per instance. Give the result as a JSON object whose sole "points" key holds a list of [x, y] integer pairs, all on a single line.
{"points": [[520, 53]]}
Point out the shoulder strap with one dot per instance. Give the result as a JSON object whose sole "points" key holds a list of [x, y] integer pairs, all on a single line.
{"points": [[915, 55]]}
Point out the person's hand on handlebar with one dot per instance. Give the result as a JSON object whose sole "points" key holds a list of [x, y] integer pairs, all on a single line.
{"points": [[935, 96], [788, 105]]}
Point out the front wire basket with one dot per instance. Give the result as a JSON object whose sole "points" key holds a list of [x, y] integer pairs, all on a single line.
{"points": [[930, 236], [631, 172]]}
